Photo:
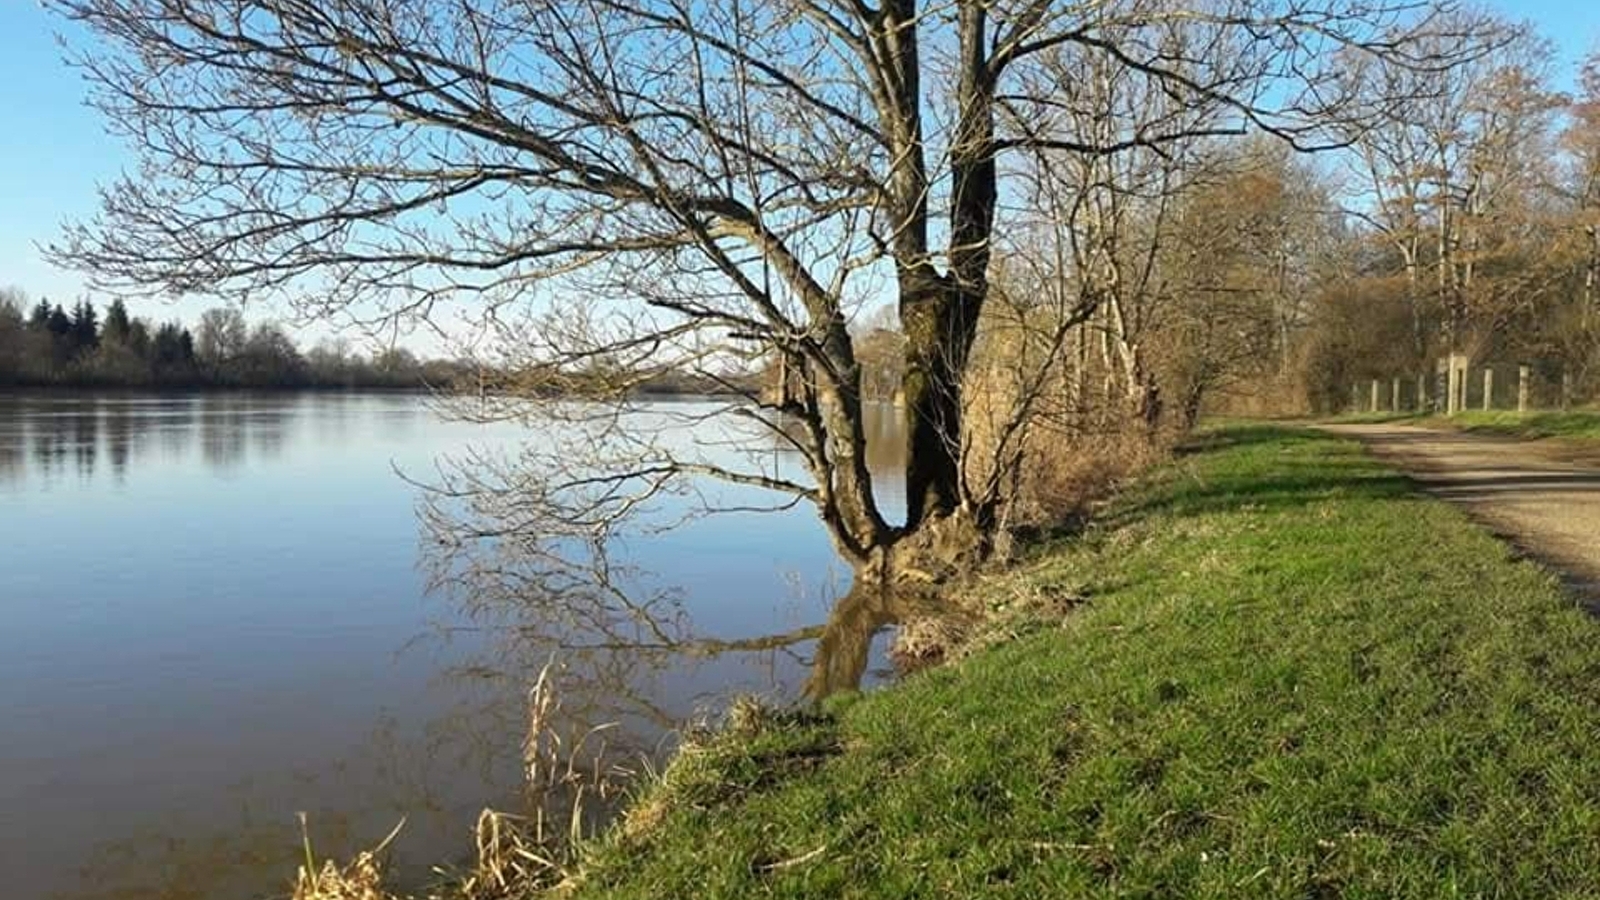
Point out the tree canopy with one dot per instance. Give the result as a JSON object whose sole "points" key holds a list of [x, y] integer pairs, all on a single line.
{"points": [[662, 182]]}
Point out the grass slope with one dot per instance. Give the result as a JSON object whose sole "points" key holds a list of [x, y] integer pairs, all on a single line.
{"points": [[1290, 677], [1573, 425], [1583, 425]]}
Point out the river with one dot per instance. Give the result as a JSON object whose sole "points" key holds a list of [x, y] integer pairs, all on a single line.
{"points": [[222, 610]]}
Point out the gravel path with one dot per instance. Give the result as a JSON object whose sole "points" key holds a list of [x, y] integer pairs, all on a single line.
{"points": [[1542, 496]]}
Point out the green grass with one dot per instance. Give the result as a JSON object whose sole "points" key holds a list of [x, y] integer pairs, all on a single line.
{"points": [[1581, 425], [1575, 425], [1292, 677]]}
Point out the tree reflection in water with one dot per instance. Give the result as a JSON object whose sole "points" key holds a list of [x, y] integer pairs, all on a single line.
{"points": [[511, 597], [537, 554]]}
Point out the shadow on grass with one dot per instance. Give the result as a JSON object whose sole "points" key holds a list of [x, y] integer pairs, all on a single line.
{"points": [[1227, 437], [1290, 477], [1285, 473], [1574, 424]]}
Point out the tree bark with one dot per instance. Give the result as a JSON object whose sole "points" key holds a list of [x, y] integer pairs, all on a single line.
{"points": [[940, 314]]}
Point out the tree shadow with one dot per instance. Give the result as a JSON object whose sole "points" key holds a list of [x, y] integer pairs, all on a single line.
{"points": [[1187, 492], [1238, 436], [1292, 480]]}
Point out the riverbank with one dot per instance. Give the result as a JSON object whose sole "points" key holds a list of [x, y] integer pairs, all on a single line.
{"points": [[1285, 674]]}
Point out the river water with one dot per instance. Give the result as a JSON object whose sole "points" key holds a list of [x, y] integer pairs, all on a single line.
{"points": [[223, 610]]}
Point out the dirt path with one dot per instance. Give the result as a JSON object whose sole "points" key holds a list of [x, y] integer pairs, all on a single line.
{"points": [[1541, 496]]}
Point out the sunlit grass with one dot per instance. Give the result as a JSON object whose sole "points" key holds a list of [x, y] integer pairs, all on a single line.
{"points": [[1292, 678], [1577, 424]]}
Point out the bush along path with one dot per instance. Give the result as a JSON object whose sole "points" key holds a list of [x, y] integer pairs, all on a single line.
{"points": [[1286, 675]]}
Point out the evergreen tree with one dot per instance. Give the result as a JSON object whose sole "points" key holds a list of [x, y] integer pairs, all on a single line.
{"points": [[39, 319], [139, 338], [118, 326], [58, 323], [44, 343], [85, 327], [170, 346]]}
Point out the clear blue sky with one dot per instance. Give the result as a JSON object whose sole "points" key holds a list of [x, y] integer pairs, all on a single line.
{"points": [[53, 151]]}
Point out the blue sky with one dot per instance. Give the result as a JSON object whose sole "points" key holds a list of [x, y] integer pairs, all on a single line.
{"points": [[53, 151]]}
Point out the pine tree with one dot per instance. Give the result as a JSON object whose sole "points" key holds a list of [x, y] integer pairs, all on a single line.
{"points": [[169, 346], [59, 324], [85, 327], [39, 319], [139, 338], [117, 326]]}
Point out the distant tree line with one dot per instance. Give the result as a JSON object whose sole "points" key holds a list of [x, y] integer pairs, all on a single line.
{"points": [[43, 344]]}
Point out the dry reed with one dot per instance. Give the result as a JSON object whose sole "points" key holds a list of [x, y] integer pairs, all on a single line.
{"points": [[516, 855]]}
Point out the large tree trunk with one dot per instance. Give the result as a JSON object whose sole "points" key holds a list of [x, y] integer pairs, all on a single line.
{"points": [[932, 386], [940, 313]]}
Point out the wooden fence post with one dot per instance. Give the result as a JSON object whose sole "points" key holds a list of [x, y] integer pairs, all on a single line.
{"points": [[1456, 384], [1488, 388], [1374, 395], [1422, 393], [1452, 401], [1522, 388], [1566, 389], [1394, 396]]}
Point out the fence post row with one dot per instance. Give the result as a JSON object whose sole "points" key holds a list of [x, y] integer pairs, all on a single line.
{"points": [[1455, 389]]}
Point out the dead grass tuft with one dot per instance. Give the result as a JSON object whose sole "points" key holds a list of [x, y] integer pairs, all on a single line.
{"points": [[359, 879], [511, 859], [990, 610], [747, 716], [927, 641]]}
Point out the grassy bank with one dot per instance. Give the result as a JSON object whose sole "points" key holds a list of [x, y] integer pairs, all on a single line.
{"points": [[1288, 676], [1582, 425], [1574, 425]]}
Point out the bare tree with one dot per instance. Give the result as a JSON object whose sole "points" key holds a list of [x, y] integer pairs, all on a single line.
{"points": [[699, 181], [220, 337], [1448, 170], [1248, 241], [1582, 142]]}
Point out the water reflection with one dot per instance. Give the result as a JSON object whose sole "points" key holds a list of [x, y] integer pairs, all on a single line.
{"points": [[521, 573], [67, 434], [121, 431], [232, 655], [844, 648], [435, 779], [222, 435], [84, 441], [11, 460]]}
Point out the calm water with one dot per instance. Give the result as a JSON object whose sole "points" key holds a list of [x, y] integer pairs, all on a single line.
{"points": [[217, 614]]}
